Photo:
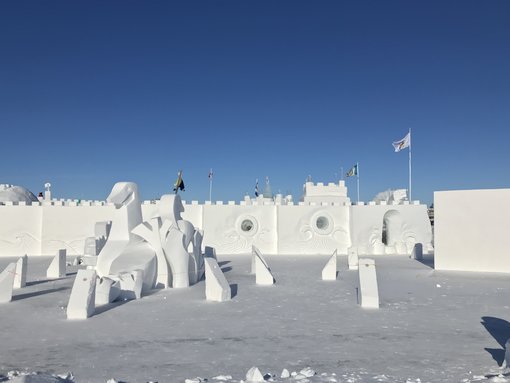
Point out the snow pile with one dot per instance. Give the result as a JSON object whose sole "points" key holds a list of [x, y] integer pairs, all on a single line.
{"points": [[38, 377], [390, 195], [12, 193]]}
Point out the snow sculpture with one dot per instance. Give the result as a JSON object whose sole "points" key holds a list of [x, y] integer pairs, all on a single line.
{"points": [[216, 286], [124, 251], [176, 236], [254, 376], [20, 278], [368, 283], [7, 282], [150, 231], [329, 271], [263, 275], [107, 290], [57, 268], [391, 196], [82, 300], [352, 258], [197, 262], [12, 193], [131, 285], [417, 252]]}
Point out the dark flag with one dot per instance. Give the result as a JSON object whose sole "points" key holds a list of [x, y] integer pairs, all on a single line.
{"points": [[179, 184]]}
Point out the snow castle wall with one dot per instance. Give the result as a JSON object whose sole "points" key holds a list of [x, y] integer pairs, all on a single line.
{"points": [[230, 227], [471, 230]]}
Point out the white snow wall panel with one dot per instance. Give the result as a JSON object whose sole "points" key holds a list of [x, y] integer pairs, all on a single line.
{"points": [[411, 225], [233, 229], [471, 230], [305, 229]]}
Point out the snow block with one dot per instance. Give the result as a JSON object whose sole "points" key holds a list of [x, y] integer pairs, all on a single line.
{"points": [[20, 278], [131, 285], [417, 252], [57, 267], [263, 275], [329, 271], [107, 290], [254, 376], [254, 253], [216, 286], [7, 282], [352, 258], [82, 300], [368, 283]]}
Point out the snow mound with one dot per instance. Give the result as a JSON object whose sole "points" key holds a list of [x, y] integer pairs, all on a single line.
{"points": [[389, 196], [12, 193]]}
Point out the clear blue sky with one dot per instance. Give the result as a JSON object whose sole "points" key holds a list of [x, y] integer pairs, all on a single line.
{"points": [[95, 92]]}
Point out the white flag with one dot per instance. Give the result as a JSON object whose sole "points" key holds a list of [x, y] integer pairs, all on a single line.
{"points": [[403, 143]]}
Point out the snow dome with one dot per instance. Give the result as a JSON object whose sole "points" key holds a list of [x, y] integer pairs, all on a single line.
{"points": [[15, 194]]}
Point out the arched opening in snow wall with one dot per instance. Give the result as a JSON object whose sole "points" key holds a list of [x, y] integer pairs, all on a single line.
{"points": [[392, 228]]}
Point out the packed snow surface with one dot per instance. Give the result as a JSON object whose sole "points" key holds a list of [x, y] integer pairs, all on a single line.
{"points": [[431, 327]]}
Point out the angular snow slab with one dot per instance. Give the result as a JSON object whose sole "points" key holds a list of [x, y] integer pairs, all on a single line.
{"points": [[216, 286], [107, 290], [329, 271], [57, 267], [7, 282], [417, 252], [82, 301], [263, 275], [352, 258], [368, 283], [254, 376], [20, 278], [131, 285]]}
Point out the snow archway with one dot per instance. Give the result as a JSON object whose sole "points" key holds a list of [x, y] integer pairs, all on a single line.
{"points": [[392, 228]]}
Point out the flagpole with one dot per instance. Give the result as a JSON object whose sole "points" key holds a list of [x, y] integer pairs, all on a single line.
{"points": [[210, 184], [357, 179], [410, 165]]}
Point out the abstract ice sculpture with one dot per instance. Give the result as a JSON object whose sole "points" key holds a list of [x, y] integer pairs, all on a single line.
{"points": [[153, 251], [125, 251]]}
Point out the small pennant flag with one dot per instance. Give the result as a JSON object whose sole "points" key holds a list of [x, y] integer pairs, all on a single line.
{"points": [[179, 184], [403, 143], [353, 171], [256, 188]]}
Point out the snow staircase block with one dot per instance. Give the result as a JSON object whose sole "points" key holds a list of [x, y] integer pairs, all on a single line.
{"points": [[417, 252], [352, 258], [7, 282], [107, 290], [329, 271], [82, 300], [131, 285], [263, 275], [20, 278], [57, 268], [216, 286], [368, 284]]}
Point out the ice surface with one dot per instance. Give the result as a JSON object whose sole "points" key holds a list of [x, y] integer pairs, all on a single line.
{"points": [[419, 332]]}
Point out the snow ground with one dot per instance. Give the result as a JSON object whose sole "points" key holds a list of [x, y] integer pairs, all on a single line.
{"points": [[428, 328]]}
